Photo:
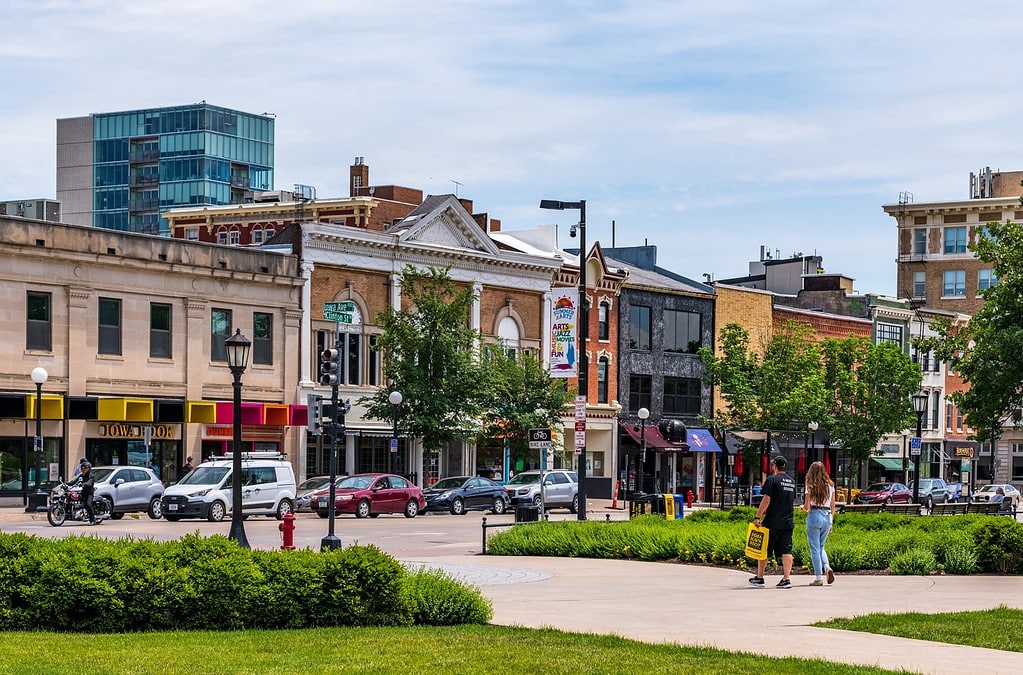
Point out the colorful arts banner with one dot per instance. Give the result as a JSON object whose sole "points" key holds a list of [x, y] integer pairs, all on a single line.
{"points": [[564, 329]]}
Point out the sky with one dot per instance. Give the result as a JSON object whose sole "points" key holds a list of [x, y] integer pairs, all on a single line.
{"points": [[707, 128]]}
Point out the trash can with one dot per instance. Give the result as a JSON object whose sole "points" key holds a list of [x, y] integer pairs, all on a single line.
{"points": [[680, 503], [527, 514], [657, 505], [640, 505]]}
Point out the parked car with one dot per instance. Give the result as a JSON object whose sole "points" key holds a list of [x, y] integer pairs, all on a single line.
{"points": [[268, 488], [459, 494], [985, 493], [370, 494], [955, 491], [933, 491], [129, 489], [560, 489], [305, 490], [884, 493]]}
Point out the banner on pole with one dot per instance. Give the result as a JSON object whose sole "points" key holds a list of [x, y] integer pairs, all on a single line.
{"points": [[564, 329]]}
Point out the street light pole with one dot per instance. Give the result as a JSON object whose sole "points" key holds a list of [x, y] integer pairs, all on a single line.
{"points": [[920, 408], [237, 347], [395, 398], [584, 333], [38, 500], [643, 414], [813, 426]]}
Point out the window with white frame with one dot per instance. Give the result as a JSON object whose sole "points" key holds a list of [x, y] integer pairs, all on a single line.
{"points": [[1017, 461], [953, 283], [233, 237], [955, 239], [919, 284], [257, 235], [920, 241], [222, 236], [985, 279]]}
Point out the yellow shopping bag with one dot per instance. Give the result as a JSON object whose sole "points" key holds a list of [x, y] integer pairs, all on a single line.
{"points": [[756, 542]]}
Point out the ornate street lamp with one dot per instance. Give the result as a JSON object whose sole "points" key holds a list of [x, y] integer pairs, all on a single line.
{"points": [[38, 500], [813, 426], [394, 398], [237, 359], [920, 408], [644, 415]]}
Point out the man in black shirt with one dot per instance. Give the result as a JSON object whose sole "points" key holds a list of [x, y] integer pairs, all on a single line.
{"points": [[775, 511]]}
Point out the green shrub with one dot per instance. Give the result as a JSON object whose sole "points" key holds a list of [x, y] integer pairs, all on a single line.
{"points": [[959, 560], [999, 543], [916, 561], [435, 599]]}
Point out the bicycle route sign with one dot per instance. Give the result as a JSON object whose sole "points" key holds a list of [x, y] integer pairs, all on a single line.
{"points": [[539, 439]]}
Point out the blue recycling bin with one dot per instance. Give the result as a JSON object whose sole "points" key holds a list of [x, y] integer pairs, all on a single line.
{"points": [[680, 504]]}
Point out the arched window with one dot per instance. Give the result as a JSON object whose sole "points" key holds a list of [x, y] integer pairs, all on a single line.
{"points": [[257, 235], [602, 366], [233, 236], [222, 235], [603, 310], [508, 332]]}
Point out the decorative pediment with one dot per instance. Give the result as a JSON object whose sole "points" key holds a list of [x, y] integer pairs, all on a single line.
{"points": [[444, 222]]}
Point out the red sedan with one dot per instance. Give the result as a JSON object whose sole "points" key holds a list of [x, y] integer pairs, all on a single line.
{"points": [[885, 493], [370, 494]]}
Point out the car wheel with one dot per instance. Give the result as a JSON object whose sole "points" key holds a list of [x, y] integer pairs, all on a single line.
{"points": [[888, 501], [172, 519], [116, 516], [499, 506], [155, 509], [412, 508], [574, 508], [458, 507], [283, 509], [217, 512], [362, 510], [537, 502], [322, 514], [929, 503]]}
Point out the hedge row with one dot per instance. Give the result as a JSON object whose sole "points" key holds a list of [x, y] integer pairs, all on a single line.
{"points": [[902, 544], [87, 584]]}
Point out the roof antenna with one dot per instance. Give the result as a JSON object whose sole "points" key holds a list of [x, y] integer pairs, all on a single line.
{"points": [[457, 184]]}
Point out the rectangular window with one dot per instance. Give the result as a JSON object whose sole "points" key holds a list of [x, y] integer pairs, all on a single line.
{"points": [[681, 331], [602, 380], [889, 333], [920, 241], [948, 415], [955, 240], [159, 330], [925, 362], [262, 338], [220, 330], [1017, 461], [351, 352], [985, 279], [373, 365], [109, 326], [639, 392], [935, 409], [39, 326], [602, 326], [639, 327], [959, 420], [953, 283], [919, 284], [681, 396]]}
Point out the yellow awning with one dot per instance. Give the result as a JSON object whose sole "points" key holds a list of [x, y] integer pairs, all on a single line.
{"points": [[201, 411], [52, 407], [126, 409]]}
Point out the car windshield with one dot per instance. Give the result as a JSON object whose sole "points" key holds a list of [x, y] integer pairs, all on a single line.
{"points": [[449, 483], [989, 488], [356, 482], [205, 475], [99, 475], [525, 479], [314, 483], [879, 487]]}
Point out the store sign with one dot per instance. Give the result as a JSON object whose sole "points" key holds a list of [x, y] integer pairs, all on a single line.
{"points": [[140, 431], [966, 452]]}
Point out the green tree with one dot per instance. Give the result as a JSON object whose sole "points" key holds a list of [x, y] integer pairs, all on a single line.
{"points": [[987, 351], [430, 356]]}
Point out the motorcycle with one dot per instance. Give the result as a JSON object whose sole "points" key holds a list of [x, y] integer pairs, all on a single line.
{"points": [[66, 503]]}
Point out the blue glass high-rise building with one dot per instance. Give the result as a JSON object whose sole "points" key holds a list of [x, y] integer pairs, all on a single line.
{"points": [[121, 170]]}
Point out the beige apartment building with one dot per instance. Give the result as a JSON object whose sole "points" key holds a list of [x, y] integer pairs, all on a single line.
{"points": [[130, 329]]}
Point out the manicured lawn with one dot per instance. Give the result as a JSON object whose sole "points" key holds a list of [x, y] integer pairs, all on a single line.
{"points": [[1000, 628], [465, 649]]}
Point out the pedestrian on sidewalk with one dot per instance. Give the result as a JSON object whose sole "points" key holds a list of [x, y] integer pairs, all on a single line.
{"points": [[819, 506], [775, 511]]}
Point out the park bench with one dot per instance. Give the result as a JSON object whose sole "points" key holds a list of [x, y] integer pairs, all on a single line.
{"points": [[990, 508], [950, 509], [859, 508], [902, 509]]}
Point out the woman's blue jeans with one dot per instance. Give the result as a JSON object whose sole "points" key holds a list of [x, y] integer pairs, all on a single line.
{"points": [[818, 525]]}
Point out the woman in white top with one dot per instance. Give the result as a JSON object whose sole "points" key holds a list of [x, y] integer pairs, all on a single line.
{"points": [[820, 515]]}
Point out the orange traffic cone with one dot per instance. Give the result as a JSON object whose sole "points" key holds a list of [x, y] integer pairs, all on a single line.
{"points": [[614, 499]]}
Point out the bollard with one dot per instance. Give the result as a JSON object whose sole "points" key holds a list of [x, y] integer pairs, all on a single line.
{"points": [[287, 528]]}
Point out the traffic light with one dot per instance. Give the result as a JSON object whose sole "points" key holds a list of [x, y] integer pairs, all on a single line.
{"points": [[314, 411], [330, 367]]}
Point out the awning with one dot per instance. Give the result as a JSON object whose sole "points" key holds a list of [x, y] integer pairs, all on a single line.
{"points": [[299, 415], [653, 438], [13, 406], [701, 440], [891, 463], [52, 406], [204, 412], [252, 413], [169, 411], [125, 409], [276, 414]]}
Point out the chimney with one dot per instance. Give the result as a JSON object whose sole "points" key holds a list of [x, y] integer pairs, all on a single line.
{"points": [[359, 175]]}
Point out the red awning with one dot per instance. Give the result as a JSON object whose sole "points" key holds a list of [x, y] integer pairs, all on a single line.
{"points": [[654, 439]]}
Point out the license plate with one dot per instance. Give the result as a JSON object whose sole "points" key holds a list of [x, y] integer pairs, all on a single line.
{"points": [[323, 502], [172, 507]]}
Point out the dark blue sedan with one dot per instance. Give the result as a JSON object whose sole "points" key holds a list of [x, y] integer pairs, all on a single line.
{"points": [[459, 494]]}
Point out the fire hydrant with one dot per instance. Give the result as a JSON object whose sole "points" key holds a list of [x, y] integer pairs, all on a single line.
{"points": [[689, 499], [287, 528]]}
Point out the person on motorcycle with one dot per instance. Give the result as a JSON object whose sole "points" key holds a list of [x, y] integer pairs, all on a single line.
{"points": [[88, 489]]}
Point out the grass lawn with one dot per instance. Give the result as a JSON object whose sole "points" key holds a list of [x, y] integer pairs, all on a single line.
{"points": [[466, 649], [1000, 628]]}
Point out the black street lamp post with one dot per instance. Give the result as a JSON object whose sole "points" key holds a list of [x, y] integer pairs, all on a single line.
{"points": [[38, 500], [584, 331], [394, 398], [920, 408], [643, 415], [813, 426], [237, 347]]}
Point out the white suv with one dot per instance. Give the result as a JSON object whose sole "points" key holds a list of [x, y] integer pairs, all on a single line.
{"points": [[268, 488], [560, 488]]}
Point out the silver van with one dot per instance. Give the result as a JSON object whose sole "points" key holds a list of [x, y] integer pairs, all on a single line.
{"points": [[268, 488]]}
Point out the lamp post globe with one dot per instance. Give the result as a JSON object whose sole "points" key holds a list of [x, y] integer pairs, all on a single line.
{"points": [[237, 347], [394, 398], [37, 501]]}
